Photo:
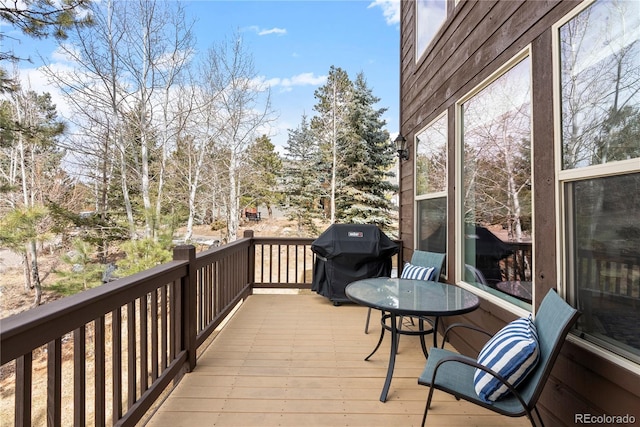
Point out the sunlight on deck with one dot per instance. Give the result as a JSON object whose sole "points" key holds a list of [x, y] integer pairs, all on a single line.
{"points": [[297, 360]]}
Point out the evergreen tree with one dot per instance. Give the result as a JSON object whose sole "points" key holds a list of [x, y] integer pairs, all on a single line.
{"points": [[331, 126], [356, 150], [364, 173], [30, 171], [265, 166], [83, 273], [38, 19], [142, 255], [302, 177]]}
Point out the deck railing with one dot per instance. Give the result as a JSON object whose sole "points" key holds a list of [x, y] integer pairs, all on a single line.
{"points": [[117, 346], [108, 353], [517, 266]]}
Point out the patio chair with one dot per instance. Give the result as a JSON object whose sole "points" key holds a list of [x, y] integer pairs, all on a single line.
{"points": [[454, 373], [421, 259]]}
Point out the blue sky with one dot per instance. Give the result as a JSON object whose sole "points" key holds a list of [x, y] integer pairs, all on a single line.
{"points": [[294, 43]]}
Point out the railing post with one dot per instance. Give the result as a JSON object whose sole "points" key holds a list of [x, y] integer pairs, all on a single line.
{"points": [[251, 258], [189, 301]]}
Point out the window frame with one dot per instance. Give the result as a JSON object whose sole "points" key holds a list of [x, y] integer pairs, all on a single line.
{"points": [[459, 183], [565, 243], [417, 198], [445, 115]]}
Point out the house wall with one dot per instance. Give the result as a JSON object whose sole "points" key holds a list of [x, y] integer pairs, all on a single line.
{"points": [[477, 38]]}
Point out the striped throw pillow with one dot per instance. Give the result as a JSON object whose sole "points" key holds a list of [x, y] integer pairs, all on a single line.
{"points": [[513, 353], [410, 271]]}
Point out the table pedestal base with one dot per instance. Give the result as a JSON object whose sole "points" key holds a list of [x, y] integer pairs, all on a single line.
{"points": [[395, 337]]}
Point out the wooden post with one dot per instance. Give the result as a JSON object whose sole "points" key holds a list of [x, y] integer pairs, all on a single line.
{"points": [[251, 260], [189, 301]]}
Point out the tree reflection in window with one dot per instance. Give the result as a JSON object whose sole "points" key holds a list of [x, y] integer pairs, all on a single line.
{"points": [[600, 80], [496, 152], [431, 158], [600, 104], [431, 186]]}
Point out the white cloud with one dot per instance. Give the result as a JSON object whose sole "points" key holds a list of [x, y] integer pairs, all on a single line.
{"points": [[266, 31], [64, 54], [287, 84], [275, 30], [304, 79], [35, 79], [390, 10]]}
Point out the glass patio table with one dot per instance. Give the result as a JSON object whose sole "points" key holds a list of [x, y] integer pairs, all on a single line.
{"points": [[406, 297]]}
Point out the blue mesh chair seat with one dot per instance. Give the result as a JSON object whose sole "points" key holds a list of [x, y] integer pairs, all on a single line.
{"points": [[453, 373]]}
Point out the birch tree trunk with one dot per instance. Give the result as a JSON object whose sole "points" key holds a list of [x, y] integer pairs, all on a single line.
{"points": [[334, 152], [24, 114], [243, 107], [332, 125]]}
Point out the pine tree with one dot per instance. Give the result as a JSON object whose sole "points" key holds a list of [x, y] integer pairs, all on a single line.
{"points": [[142, 255], [331, 126], [38, 19], [364, 173], [83, 273], [261, 181], [302, 177], [356, 149], [29, 170]]}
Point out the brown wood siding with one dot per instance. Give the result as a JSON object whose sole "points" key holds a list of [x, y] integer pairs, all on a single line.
{"points": [[477, 38]]}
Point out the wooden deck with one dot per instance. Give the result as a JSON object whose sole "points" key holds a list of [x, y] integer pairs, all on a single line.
{"points": [[297, 360]]}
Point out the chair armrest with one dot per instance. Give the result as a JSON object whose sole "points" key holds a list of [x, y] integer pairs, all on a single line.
{"points": [[463, 325], [470, 362]]}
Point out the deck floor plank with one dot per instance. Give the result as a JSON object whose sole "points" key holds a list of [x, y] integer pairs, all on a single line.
{"points": [[297, 360]]}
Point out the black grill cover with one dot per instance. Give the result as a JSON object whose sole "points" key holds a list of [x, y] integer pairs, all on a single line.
{"points": [[349, 252]]}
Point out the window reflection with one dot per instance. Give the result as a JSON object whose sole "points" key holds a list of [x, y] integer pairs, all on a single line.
{"points": [[431, 158], [600, 75], [431, 185], [430, 14], [432, 225], [600, 104], [497, 203], [606, 260]]}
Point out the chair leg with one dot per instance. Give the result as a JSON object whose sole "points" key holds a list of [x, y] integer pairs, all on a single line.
{"points": [[379, 340], [426, 408], [535, 409], [366, 325], [424, 416]]}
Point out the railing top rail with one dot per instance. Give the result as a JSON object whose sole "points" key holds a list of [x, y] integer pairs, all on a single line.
{"points": [[31, 329], [220, 252], [293, 240], [624, 257], [284, 240]]}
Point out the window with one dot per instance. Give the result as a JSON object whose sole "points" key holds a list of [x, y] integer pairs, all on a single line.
{"points": [[431, 186], [605, 259], [495, 182], [430, 15], [598, 49], [431, 158], [600, 61], [432, 225]]}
